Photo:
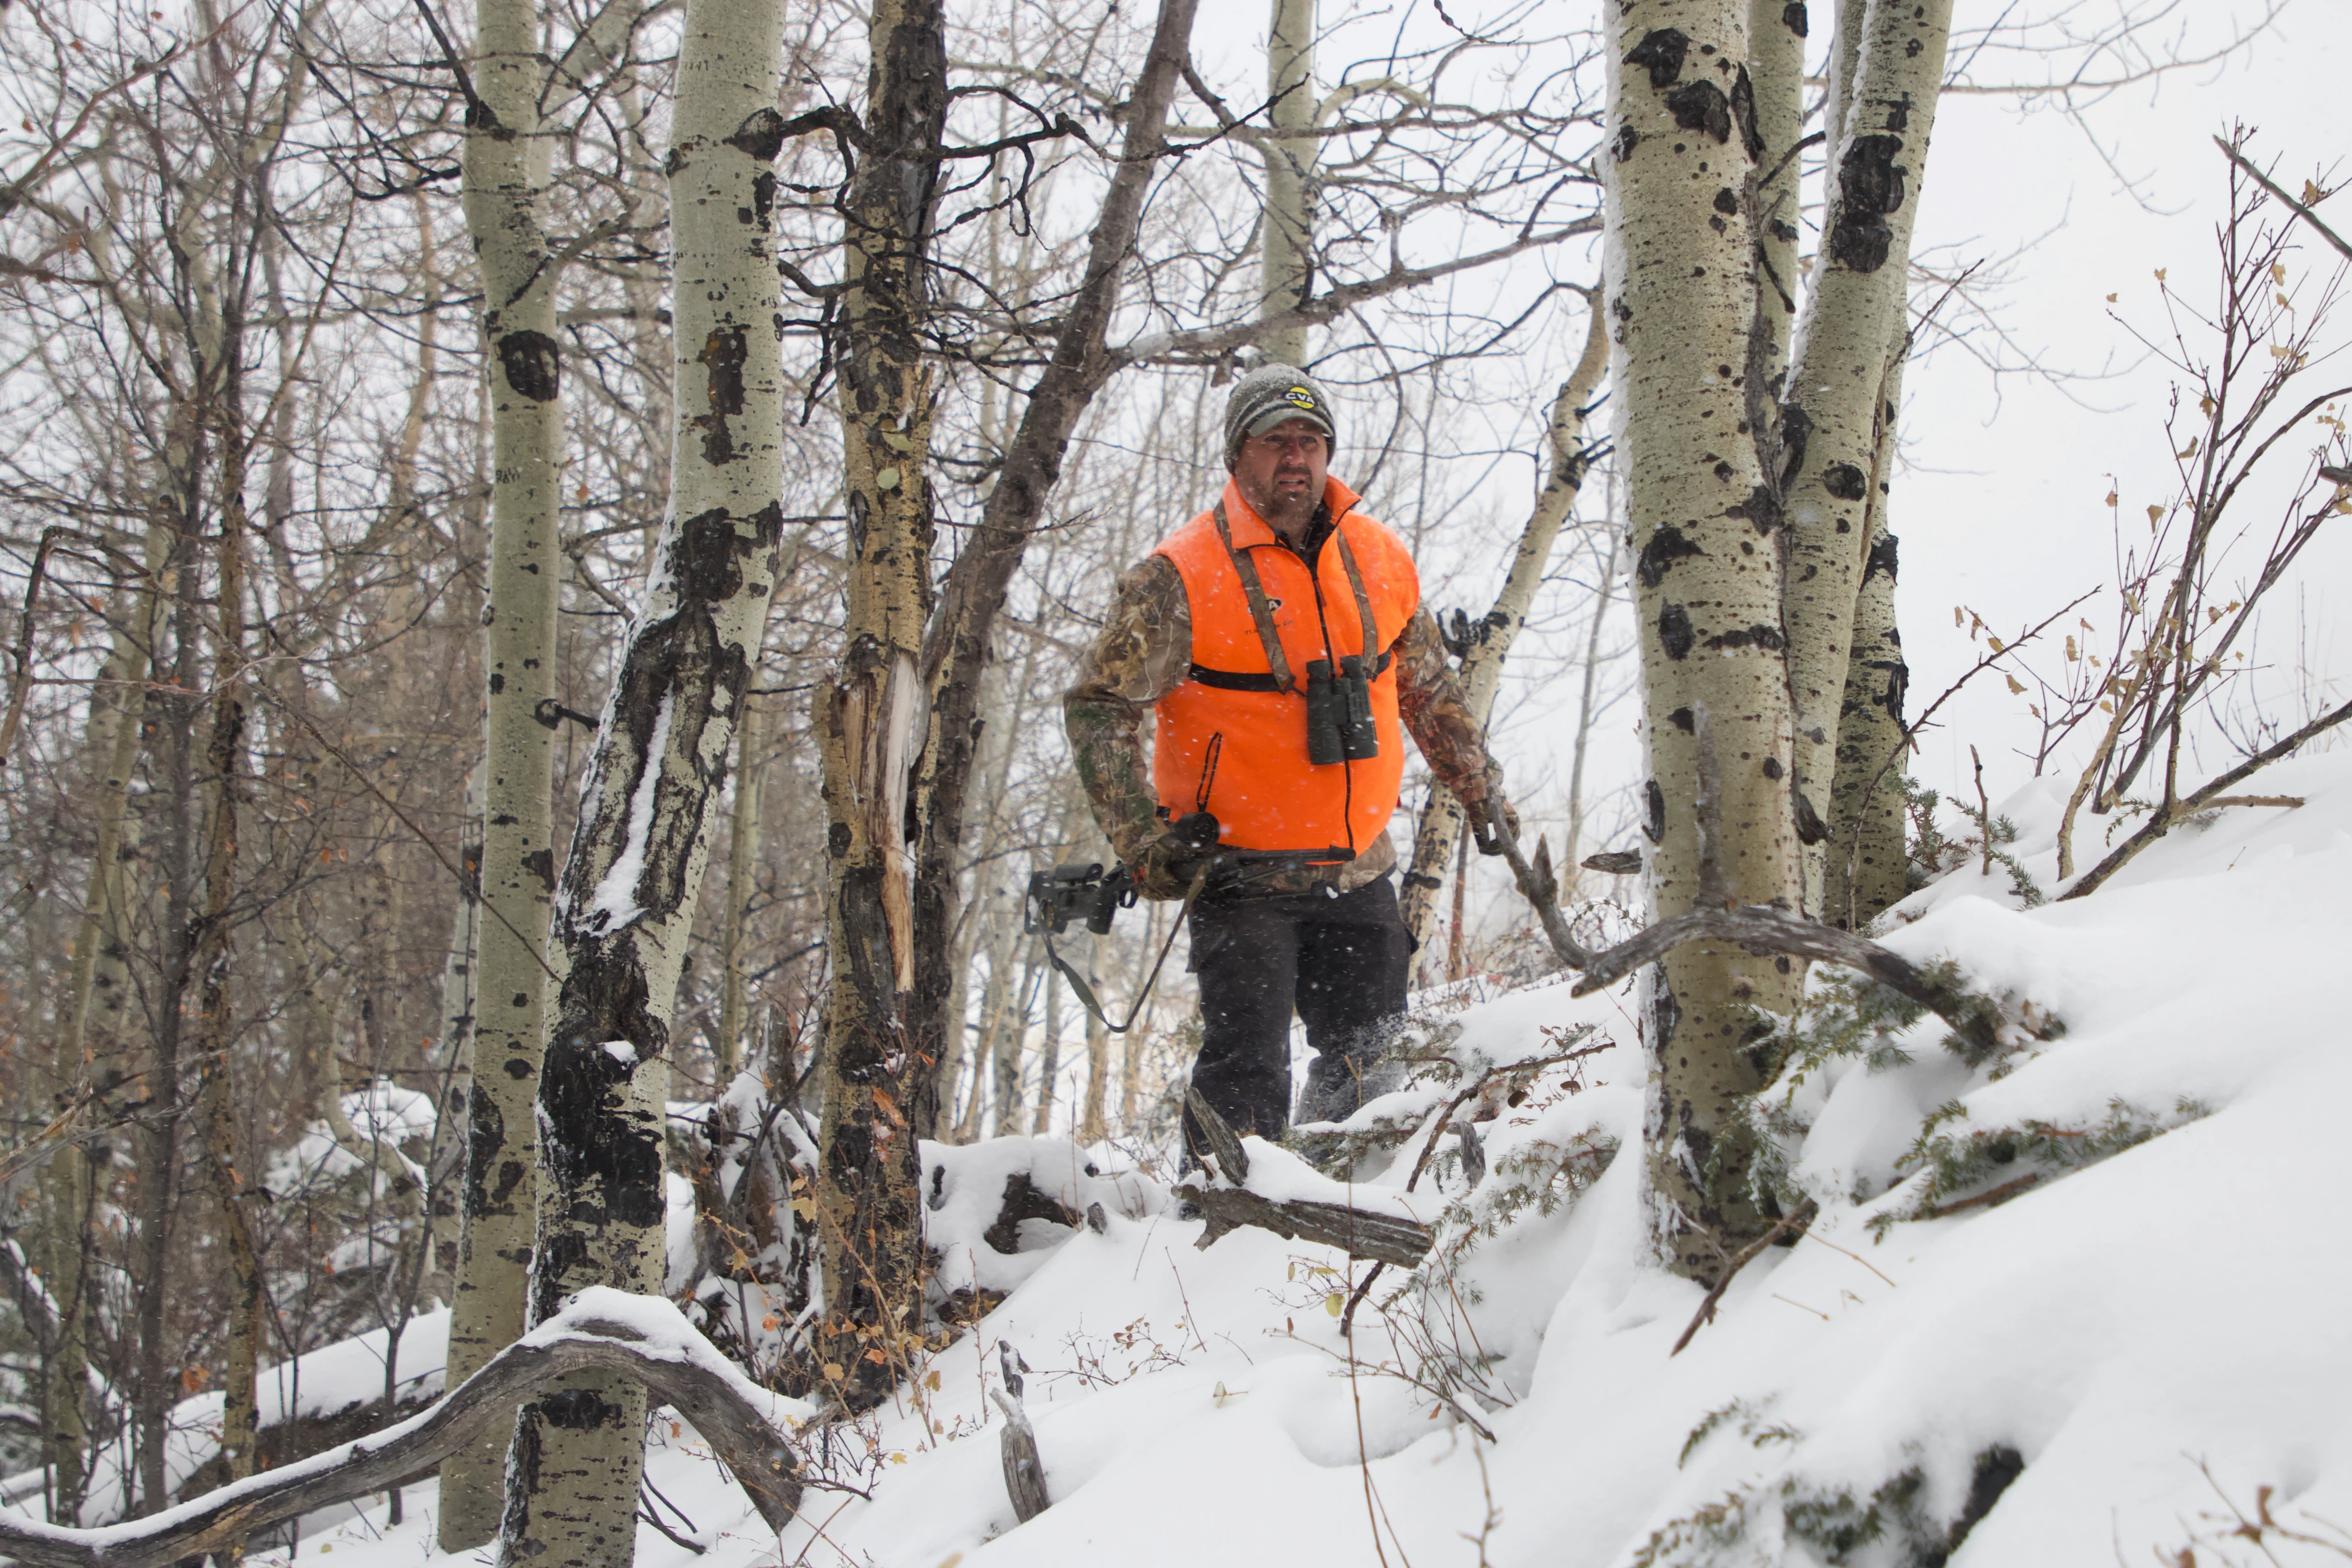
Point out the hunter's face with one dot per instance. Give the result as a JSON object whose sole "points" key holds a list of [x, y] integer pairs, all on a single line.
{"points": [[1281, 473]]}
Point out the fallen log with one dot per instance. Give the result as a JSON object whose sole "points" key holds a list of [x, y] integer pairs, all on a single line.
{"points": [[605, 1331], [1360, 1233], [1376, 1236]]}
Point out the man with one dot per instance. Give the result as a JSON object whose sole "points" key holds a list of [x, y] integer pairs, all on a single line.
{"points": [[1281, 639]]}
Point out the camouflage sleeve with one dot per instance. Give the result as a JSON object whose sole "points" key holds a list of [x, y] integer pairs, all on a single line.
{"points": [[1143, 654], [1435, 710]]}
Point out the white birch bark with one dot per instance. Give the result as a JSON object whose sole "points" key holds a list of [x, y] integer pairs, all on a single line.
{"points": [[1830, 421], [1776, 69], [1867, 872], [1681, 161], [503, 188], [1288, 231], [635, 870]]}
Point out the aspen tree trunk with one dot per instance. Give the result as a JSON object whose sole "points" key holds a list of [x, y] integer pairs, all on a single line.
{"points": [[459, 1001], [156, 1184], [216, 948], [1830, 418], [1131, 1066], [633, 874], [503, 180], [1777, 30], [1011, 1034], [1286, 233], [995, 1010], [1001, 711], [1682, 163], [1846, 33], [1604, 593], [1049, 1056], [1441, 818], [742, 863], [883, 904], [1867, 873], [957, 646], [870, 1231], [95, 989]]}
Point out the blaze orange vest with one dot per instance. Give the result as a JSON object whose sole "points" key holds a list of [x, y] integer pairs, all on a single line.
{"points": [[1265, 794]]}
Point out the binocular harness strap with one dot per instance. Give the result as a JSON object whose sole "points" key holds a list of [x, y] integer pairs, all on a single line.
{"points": [[1366, 631], [1255, 592]]}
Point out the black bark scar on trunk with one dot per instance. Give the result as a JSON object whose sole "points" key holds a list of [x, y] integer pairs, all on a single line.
{"points": [[1761, 509], [722, 355], [1675, 634], [1662, 52], [1845, 481], [1796, 433], [1882, 558], [533, 364], [1701, 106], [1653, 821], [1768, 638], [1743, 113], [1870, 185], [1666, 546], [761, 136]]}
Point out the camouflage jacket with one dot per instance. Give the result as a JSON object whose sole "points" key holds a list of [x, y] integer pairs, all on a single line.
{"points": [[1145, 650]]}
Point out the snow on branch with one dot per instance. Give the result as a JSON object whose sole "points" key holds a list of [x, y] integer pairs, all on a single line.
{"points": [[602, 1330], [1287, 1197]]}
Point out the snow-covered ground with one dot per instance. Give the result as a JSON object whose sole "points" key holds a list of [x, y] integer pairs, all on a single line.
{"points": [[2145, 1334]]}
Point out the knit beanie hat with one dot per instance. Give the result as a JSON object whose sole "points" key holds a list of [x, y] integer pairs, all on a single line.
{"points": [[1270, 394]]}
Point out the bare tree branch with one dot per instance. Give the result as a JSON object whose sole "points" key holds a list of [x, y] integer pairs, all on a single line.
{"points": [[716, 1404]]}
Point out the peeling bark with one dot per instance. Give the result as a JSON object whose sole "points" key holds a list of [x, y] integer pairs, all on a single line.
{"points": [[887, 1022]]}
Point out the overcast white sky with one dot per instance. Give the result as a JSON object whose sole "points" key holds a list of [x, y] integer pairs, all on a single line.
{"points": [[2003, 508]]}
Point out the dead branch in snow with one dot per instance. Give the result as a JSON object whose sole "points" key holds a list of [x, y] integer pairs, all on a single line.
{"points": [[761, 1456], [1384, 1238], [1760, 928], [1795, 1221]]}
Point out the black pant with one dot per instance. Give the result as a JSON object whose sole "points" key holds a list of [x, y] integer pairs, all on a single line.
{"points": [[1343, 963]]}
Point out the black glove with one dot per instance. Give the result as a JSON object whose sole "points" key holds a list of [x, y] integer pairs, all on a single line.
{"points": [[1487, 816], [1170, 862]]}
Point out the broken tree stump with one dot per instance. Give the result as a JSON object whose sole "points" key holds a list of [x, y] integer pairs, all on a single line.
{"points": [[1024, 1473]]}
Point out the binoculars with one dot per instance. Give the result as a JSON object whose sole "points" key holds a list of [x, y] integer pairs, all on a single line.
{"points": [[1339, 723]]}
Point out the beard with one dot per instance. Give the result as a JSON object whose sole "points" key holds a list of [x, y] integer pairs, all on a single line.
{"points": [[1286, 512]]}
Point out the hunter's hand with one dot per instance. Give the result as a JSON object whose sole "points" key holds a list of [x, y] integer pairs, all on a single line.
{"points": [[1491, 820], [1167, 867]]}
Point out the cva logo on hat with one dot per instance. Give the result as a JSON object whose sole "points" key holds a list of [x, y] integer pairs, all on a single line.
{"points": [[1299, 397]]}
